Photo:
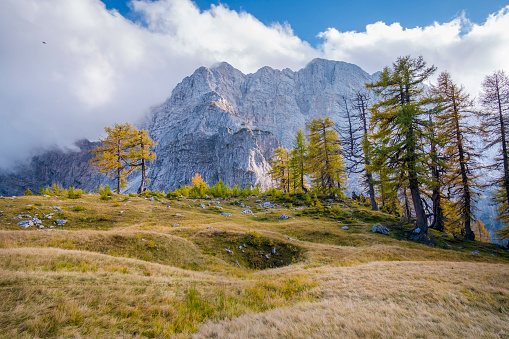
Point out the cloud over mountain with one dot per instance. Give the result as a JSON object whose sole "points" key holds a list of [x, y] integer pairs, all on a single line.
{"points": [[97, 67]]}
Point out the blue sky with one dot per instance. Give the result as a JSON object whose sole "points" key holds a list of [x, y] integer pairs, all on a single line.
{"points": [[100, 66], [308, 18]]}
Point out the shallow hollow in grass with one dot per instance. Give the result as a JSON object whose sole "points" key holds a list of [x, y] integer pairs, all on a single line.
{"points": [[251, 250]]}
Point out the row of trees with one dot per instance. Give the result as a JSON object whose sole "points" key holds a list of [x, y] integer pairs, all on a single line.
{"points": [[124, 150], [320, 157], [426, 142], [417, 147]]}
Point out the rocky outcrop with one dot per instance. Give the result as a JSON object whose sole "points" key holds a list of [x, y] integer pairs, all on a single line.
{"points": [[224, 124]]}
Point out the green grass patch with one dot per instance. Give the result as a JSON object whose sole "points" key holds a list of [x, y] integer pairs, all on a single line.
{"points": [[250, 250]]}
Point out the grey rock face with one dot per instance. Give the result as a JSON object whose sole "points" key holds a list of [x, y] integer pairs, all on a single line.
{"points": [[64, 168], [224, 124]]}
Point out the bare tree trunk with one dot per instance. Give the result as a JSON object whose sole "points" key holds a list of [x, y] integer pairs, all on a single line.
{"points": [[438, 213], [143, 184], [371, 188], [504, 144], [413, 183]]}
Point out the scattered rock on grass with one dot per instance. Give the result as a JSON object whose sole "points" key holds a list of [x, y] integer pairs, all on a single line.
{"points": [[226, 214], [284, 217], [475, 253], [60, 222], [380, 229], [345, 228], [247, 212], [25, 223]]}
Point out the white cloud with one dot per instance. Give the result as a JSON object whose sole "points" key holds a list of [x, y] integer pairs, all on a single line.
{"points": [[98, 68], [468, 51]]}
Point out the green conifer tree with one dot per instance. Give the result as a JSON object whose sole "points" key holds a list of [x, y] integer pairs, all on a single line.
{"points": [[399, 127], [298, 162]]}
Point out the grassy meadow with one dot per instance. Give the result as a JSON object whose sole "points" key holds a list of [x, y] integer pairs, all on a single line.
{"points": [[132, 267]]}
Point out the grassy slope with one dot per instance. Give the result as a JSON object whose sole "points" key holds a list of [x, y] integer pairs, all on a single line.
{"points": [[107, 273]]}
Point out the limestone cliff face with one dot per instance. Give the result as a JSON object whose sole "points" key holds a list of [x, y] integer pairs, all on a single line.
{"points": [[218, 122], [224, 124], [67, 168]]}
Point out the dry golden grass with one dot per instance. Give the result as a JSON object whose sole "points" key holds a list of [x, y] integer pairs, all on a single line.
{"points": [[133, 274], [388, 300]]}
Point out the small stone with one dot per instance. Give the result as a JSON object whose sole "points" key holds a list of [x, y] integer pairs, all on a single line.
{"points": [[175, 225], [274, 250], [202, 206], [226, 214], [345, 228], [25, 223], [247, 212], [380, 229], [178, 215], [284, 217], [267, 256], [210, 227], [60, 222], [475, 253]]}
